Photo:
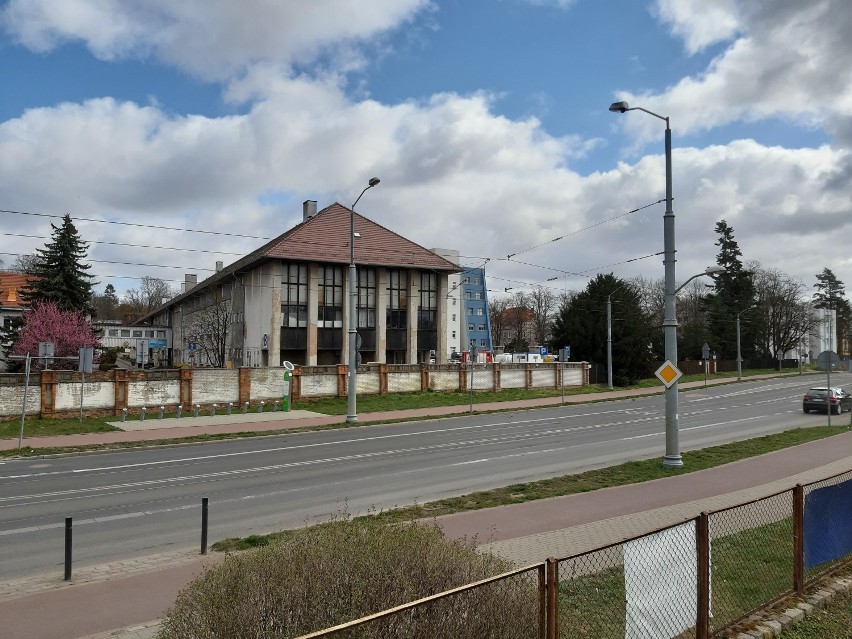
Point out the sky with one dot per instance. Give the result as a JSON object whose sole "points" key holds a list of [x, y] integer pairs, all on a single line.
{"points": [[177, 134]]}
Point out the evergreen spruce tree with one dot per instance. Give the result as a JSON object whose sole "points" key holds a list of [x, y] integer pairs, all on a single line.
{"points": [[831, 294], [59, 274], [733, 294]]}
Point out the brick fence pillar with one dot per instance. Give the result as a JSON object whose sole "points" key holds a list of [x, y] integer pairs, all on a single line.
{"points": [[296, 384], [119, 390], [185, 392], [383, 379], [48, 392], [528, 380], [496, 372], [342, 387], [424, 378], [244, 381]]}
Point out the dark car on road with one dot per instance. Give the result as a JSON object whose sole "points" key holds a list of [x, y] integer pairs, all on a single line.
{"points": [[823, 399]]}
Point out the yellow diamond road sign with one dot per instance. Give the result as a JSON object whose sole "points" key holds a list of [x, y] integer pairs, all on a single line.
{"points": [[668, 373]]}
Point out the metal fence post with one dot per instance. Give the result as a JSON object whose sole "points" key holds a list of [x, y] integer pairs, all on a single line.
{"points": [[204, 525], [552, 598], [162, 410], [542, 601], [68, 548], [195, 410], [123, 414], [260, 406], [702, 546], [142, 413], [799, 539], [213, 410], [245, 408], [230, 407], [179, 411]]}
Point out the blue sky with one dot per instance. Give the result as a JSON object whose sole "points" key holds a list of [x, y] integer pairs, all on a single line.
{"points": [[487, 121]]}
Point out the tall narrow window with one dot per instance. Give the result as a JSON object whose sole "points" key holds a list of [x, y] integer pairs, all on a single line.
{"points": [[397, 314], [294, 296], [330, 302], [366, 298], [428, 313]]}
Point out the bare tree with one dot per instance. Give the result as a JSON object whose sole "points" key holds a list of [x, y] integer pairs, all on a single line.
{"points": [[519, 321], [783, 309], [151, 294], [208, 329], [497, 318], [25, 263], [542, 304]]}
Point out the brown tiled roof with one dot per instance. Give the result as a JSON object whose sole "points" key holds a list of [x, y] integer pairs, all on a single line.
{"points": [[10, 289], [325, 238]]}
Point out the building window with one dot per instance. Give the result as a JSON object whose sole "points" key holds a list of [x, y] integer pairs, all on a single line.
{"points": [[454, 334], [454, 317], [113, 332], [137, 333], [476, 280], [149, 333], [367, 298], [161, 334], [125, 332], [397, 314], [467, 295], [482, 342], [479, 311], [294, 296], [469, 310], [466, 280], [470, 328], [482, 327], [427, 318], [479, 296], [330, 298]]}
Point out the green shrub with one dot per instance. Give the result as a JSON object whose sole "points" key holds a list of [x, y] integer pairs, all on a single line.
{"points": [[345, 569], [108, 359]]}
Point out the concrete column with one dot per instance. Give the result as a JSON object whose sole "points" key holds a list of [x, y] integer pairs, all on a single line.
{"points": [[313, 313], [442, 319], [413, 305], [274, 347], [382, 297]]}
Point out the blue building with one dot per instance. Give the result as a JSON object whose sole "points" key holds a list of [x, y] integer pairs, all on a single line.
{"points": [[476, 324]]}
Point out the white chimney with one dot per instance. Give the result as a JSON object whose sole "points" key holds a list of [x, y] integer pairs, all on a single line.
{"points": [[190, 281], [219, 265], [309, 209]]}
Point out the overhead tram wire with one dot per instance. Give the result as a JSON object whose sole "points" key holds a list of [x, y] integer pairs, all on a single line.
{"points": [[146, 226], [562, 237], [164, 248]]}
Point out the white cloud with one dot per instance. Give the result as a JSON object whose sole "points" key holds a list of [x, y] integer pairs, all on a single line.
{"points": [[788, 62], [213, 39], [700, 23]]}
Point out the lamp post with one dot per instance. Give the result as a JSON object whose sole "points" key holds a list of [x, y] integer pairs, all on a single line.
{"points": [[351, 412], [672, 458], [609, 338]]}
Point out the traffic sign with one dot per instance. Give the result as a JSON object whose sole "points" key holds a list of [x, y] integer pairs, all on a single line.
{"points": [[668, 373]]}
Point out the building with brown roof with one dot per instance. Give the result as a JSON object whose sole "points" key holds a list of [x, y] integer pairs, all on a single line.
{"points": [[11, 305], [288, 300]]}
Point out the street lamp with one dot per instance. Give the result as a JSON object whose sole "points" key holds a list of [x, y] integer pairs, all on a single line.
{"points": [[351, 413], [609, 338], [672, 458]]}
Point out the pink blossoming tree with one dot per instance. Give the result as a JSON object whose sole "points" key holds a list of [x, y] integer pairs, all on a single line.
{"points": [[46, 322]]}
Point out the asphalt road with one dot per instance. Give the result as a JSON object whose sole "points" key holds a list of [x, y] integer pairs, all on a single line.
{"points": [[138, 502]]}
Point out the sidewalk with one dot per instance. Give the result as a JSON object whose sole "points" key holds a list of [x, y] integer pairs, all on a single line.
{"points": [[124, 599]]}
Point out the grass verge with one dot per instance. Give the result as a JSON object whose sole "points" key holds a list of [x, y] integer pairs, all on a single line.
{"points": [[629, 473]]}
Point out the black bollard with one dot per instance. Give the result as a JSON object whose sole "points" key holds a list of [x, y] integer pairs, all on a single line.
{"points": [[68, 549], [204, 525]]}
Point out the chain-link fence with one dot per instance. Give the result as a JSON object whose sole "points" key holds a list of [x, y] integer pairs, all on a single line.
{"points": [[751, 557], [692, 580]]}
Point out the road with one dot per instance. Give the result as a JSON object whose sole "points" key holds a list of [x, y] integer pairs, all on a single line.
{"points": [[136, 502]]}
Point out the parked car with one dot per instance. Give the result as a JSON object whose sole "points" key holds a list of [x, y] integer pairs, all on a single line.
{"points": [[822, 398]]}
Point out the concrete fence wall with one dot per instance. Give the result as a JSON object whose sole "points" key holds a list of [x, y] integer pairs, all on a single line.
{"points": [[108, 392]]}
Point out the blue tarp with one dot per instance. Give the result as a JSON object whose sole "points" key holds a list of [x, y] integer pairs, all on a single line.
{"points": [[828, 524]]}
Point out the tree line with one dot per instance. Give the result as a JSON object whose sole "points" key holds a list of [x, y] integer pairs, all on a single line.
{"points": [[775, 313]]}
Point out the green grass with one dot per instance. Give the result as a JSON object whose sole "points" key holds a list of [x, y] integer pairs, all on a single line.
{"points": [[49, 426], [623, 474], [835, 621], [404, 401]]}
